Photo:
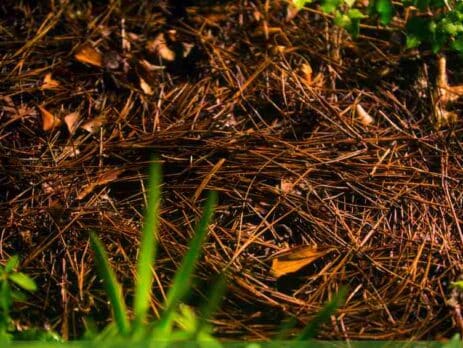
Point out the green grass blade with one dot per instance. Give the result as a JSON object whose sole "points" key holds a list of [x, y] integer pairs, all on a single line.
{"points": [[285, 328], [112, 287], [323, 316], [181, 283], [214, 299], [23, 281], [147, 253]]}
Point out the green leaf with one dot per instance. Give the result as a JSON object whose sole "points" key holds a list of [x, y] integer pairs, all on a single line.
{"points": [[5, 297], [323, 316], [355, 14], [214, 299], [181, 283], [147, 253], [458, 284], [385, 10], [422, 4], [457, 45], [419, 30], [349, 3], [112, 287], [412, 41], [342, 20], [329, 6], [23, 281], [18, 296], [301, 3], [12, 263]]}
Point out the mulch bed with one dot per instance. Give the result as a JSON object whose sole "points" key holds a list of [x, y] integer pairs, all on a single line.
{"points": [[233, 97]]}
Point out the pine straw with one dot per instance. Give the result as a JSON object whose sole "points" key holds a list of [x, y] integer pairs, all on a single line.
{"points": [[292, 163]]}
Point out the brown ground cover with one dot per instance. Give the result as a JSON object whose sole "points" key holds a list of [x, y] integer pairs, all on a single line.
{"points": [[310, 138]]}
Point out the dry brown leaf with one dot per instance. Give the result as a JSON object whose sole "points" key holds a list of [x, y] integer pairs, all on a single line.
{"points": [[49, 121], [286, 186], [150, 67], [89, 55], [297, 258], [318, 81], [307, 72], [49, 82], [102, 179], [72, 120], [94, 125], [146, 87], [159, 45], [363, 116], [187, 47]]}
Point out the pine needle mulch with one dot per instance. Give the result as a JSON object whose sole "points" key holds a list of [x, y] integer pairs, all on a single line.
{"points": [[322, 150]]}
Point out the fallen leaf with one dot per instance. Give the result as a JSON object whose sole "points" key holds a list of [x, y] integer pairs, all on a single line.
{"points": [[293, 260], [307, 72], [89, 55], [150, 67], [94, 125], [318, 81], [49, 121], [145, 87], [102, 179], [49, 82], [187, 47], [363, 116], [159, 45], [72, 120], [286, 186]]}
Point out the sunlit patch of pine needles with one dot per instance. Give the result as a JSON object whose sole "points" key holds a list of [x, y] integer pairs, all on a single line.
{"points": [[263, 110]]}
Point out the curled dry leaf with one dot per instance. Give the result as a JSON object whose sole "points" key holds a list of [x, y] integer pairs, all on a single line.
{"points": [[102, 179], [49, 82], [94, 125], [49, 121], [159, 46], [286, 185], [293, 260], [150, 67], [89, 55], [72, 120], [187, 47], [146, 87], [363, 116], [307, 72], [307, 77]]}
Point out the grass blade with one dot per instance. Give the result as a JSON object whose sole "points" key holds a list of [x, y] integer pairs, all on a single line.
{"points": [[147, 253], [214, 299], [181, 282], [112, 287], [323, 316]]}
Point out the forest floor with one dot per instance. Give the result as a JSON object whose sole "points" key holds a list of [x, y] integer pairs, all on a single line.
{"points": [[309, 137]]}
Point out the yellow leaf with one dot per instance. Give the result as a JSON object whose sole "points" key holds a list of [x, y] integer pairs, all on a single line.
{"points": [[297, 258]]}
